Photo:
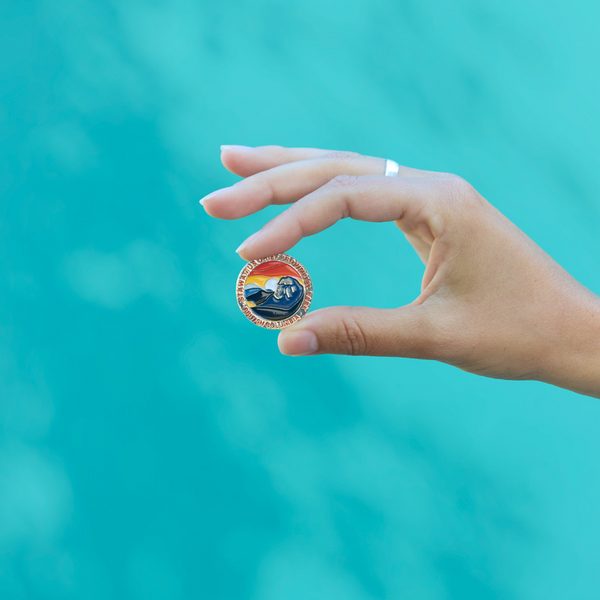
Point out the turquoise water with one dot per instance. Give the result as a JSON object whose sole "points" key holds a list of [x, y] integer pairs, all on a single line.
{"points": [[153, 443]]}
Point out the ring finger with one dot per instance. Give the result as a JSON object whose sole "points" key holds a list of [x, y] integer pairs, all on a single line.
{"points": [[287, 183]]}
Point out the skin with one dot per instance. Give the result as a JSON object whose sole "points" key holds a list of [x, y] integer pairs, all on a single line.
{"points": [[492, 302]]}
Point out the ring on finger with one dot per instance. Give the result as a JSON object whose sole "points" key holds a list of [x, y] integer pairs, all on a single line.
{"points": [[392, 168]]}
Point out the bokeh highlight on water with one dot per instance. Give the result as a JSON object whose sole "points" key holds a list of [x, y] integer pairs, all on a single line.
{"points": [[154, 443]]}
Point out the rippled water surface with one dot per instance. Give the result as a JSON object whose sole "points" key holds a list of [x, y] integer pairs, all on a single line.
{"points": [[155, 444]]}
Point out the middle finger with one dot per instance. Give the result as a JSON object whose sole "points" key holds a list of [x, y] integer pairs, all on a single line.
{"points": [[287, 183]]}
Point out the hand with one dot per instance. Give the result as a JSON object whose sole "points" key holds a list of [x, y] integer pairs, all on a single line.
{"points": [[491, 302]]}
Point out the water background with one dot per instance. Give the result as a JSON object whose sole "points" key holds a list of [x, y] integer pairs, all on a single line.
{"points": [[153, 443]]}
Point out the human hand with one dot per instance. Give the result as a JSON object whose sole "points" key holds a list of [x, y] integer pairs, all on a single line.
{"points": [[492, 302]]}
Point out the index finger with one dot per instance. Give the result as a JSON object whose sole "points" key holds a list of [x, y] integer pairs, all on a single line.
{"points": [[374, 198]]}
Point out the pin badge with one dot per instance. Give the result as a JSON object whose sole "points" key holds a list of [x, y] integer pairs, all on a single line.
{"points": [[274, 292]]}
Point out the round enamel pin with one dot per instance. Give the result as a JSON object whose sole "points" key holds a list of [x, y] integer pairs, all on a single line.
{"points": [[274, 292]]}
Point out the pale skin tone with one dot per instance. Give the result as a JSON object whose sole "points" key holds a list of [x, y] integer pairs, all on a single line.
{"points": [[492, 302]]}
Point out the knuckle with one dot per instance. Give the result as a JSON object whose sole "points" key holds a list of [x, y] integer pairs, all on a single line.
{"points": [[261, 183], [457, 193], [454, 184], [342, 186], [342, 156], [351, 336], [343, 181]]}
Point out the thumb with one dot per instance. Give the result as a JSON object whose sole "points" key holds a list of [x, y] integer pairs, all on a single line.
{"points": [[359, 331]]}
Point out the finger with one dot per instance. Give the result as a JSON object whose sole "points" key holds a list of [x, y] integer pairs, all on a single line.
{"points": [[246, 161], [290, 181], [371, 198], [405, 331], [287, 183]]}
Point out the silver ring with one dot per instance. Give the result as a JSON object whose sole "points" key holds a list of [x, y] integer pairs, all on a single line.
{"points": [[392, 168]]}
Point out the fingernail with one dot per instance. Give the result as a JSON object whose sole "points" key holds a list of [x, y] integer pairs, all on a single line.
{"points": [[233, 147], [246, 242], [212, 195], [297, 343]]}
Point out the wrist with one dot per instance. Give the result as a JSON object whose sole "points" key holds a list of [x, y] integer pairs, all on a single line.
{"points": [[572, 351]]}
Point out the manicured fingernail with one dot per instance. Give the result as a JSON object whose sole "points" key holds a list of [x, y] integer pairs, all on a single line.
{"points": [[298, 343], [235, 148], [246, 242], [212, 195]]}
